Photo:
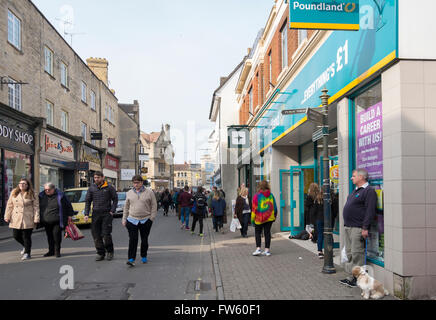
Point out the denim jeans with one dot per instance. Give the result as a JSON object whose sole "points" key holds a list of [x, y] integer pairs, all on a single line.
{"points": [[186, 211], [320, 229]]}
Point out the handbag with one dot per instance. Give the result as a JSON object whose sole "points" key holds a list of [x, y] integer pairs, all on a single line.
{"points": [[72, 231]]}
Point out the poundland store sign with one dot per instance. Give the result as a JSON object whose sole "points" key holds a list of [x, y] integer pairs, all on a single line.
{"points": [[324, 14]]}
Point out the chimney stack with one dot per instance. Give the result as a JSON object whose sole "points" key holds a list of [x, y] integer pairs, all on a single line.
{"points": [[100, 68]]}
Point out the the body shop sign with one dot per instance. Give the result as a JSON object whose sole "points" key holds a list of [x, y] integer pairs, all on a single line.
{"points": [[16, 138], [369, 144], [324, 14]]}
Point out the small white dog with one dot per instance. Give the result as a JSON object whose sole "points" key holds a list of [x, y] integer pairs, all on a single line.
{"points": [[371, 288]]}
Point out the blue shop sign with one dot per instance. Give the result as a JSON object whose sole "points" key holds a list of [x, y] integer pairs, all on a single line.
{"points": [[342, 62]]}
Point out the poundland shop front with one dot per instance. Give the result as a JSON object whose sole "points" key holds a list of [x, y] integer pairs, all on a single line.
{"points": [[382, 117]]}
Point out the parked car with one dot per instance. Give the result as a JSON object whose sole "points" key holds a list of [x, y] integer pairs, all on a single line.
{"points": [[121, 202], [77, 198]]}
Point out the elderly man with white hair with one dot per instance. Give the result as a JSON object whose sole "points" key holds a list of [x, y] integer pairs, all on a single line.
{"points": [[56, 212], [359, 212]]}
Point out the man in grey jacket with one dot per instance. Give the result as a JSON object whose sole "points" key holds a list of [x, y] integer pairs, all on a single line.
{"points": [[139, 212]]}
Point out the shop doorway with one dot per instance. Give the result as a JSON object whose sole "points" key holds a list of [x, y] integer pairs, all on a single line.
{"points": [[301, 178]]}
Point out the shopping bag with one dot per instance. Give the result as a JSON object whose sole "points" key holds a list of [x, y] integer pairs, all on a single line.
{"points": [[234, 225], [344, 258], [73, 232]]}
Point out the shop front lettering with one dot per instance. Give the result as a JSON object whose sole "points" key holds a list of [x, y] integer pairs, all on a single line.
{"points": [[57, 146], [16, 135], [91, 158]]}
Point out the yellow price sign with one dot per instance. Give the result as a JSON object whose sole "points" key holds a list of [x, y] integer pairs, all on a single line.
{"points": [[334, 174]]}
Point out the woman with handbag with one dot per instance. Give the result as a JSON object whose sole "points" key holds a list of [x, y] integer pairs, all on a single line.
{"points": [[56, 213], [243, 210], [22, 214]]}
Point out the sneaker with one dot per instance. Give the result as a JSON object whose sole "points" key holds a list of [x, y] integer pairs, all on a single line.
{"points": [[344, 281], [182, 226], [22, 251], [352, 283], [131, 263], [187, 228], [320, 255], [110, 256], [258, 252], [192, 233], [99, 258], [267, 253], [144, 260], [201, 235], [26, 256]]}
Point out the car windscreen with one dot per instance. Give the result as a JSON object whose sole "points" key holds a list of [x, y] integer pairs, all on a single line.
{"points": [[76, 196], [121, 196]]}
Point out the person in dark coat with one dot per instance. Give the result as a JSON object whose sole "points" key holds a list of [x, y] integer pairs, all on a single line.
{"points": [[56, 212], [199, 210], [166, 201], [243, 210], [218, 210], [315, 205]]}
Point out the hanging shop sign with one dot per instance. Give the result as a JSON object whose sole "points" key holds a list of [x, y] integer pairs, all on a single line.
{"points": [[17, 136], [334, 174], [112, 163], [92, 156], [127, 174], [238, 138], [324, 14]]}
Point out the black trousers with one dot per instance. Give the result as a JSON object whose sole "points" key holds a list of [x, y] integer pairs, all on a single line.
{"points": [[54, 237], [24, 237], [244, 224], [101, 229], [144, 231], [199, 218], [266, 228], [219, 221]]}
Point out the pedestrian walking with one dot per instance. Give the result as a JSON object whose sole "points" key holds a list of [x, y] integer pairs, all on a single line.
{"points": [[263, 215], [185, 200], [22, 214], [176, 203], [56, 212], [218, 211], [243, 210], [104, 198], [315, 206], [166, 201], [359, 212], [139, 213], [200, 207], [209, 205]]}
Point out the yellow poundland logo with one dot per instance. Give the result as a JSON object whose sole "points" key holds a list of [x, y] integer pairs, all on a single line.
{"points": [[348, 7]]}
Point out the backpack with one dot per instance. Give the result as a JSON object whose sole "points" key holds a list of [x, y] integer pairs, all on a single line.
{"points": [[201, 202]]}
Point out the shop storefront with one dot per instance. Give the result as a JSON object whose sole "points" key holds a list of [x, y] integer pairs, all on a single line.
{"points": [[57, 161], [17, 145], [91, 160], [111, 170]]}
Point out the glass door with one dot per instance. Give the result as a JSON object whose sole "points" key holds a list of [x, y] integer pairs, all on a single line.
{"points": [[301, 178], [285, 200]]}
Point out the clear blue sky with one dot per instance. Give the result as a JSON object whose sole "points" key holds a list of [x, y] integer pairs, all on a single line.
{"points": [[168, 55]]}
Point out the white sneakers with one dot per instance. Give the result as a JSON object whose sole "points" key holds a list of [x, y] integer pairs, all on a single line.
{"points": [[259, 252], [26, 256], [22, 251]]}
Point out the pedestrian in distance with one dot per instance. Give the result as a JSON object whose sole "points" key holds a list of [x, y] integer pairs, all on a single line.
{"points": [[243, 210], [218, 211], [140, 211], [56, 212], [263, 215], [104, 198], [185, 204], [166, 201], [315, 205], [209, 205], [359, 212], [176, 203], [200, 207], [22, 214]]}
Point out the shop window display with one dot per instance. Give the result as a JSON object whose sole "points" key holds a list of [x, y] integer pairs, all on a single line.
{"points": [[16, 167]]}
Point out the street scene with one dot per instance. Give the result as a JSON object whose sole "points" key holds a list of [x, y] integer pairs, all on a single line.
{"points": [[224, 151]]}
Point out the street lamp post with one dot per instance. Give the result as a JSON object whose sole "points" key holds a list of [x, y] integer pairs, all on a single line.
{"points": [[329, 267]]}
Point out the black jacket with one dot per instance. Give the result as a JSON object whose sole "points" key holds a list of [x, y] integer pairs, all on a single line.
{"points": [[65, 208], [313, 211], [104, 199], [360, 209]]}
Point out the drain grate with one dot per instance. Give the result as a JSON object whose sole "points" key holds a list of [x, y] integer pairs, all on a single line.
{"points": [[98, 291], [197, 286]]}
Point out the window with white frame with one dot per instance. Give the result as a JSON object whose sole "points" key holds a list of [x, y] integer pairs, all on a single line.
{"points": [[93, 142], [250, 102], [92, 100], [14, 30], [84, 130], [110, 114], [284, 45], [84, 92], [14, 92], [49, 112], [302, 35], [64, 121], [48, 57], [64, 74], [161, 167]]}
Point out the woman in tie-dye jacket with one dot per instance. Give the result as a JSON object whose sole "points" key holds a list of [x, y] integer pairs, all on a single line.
{"points": [[263, 214]]}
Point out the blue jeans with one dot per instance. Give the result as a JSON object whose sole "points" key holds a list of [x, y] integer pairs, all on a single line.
{"points": [[184, 216], [320, 229]]}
